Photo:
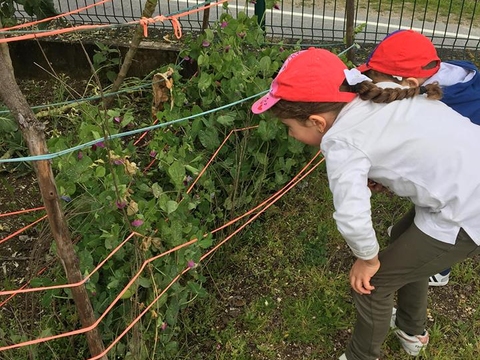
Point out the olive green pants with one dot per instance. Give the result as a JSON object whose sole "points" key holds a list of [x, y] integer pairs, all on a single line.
{"points": [[406, 264]]}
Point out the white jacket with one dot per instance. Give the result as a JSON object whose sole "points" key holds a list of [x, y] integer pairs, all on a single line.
{"points": [[418, 148]]}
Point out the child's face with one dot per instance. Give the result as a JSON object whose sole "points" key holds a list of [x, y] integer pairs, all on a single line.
{"points": [[306, 132]]}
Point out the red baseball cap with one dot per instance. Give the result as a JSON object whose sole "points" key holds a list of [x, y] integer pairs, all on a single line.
{"points": [[313, 75], [403, 53]]}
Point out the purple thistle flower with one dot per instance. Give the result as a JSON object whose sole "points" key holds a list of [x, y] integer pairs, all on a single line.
{"points": [[191, 264], [205, 43], [137, 222], [80, 155], [121, 204], [224, 24], [153, 153]]}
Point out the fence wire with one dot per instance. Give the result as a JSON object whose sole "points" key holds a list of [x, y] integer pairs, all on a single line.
{"points": [[452, 26]]}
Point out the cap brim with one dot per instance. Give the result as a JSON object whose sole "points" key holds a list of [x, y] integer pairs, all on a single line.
{"points": [[264, 103], [362, 68]]}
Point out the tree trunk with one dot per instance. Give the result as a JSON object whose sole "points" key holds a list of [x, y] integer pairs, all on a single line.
{"points": [[34, 135], [5, 52], [147, 12]]}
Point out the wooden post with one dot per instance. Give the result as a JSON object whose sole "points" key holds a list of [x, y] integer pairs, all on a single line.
{"points": [[34, 135], [147, 12]]}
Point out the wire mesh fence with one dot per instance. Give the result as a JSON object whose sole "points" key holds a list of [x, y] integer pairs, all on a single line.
{"points": [[452, 25]]}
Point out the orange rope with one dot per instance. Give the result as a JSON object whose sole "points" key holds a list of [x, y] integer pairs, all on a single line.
{"points": [[215, 154], [174, 19], [32, 23], [144, 134], [149, 165], [265, 204], [95, 324], [175, 24], [269, 202], [143, 22], [22, 211], [132, 324], [22, 230], [278, 193], [275, 198], [66, 286], [51, 33], [23, 287]]}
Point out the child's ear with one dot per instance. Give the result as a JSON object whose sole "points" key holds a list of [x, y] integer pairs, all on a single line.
{"points": [[412, 82], [319, 122]]}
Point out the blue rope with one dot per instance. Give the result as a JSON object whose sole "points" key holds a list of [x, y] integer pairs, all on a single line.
{"points": [[127, 133], [82, 100], [133, 132]]}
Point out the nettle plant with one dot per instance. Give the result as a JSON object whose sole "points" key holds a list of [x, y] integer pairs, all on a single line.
{"points": [[110, 192]]}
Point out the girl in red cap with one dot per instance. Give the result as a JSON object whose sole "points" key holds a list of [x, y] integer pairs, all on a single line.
{"points": [[418, 148], [409, 58]]}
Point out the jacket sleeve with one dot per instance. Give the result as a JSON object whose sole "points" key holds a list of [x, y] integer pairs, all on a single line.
{"points": [[347, 169]]}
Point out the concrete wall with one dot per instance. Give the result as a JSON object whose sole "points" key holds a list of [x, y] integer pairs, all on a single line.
{"points": [[70, 58]]}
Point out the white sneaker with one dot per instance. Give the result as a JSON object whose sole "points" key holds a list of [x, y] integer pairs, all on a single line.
{"points": [[343, 357], [393, 319], [389, 230], [412, 344], [439, 279]]}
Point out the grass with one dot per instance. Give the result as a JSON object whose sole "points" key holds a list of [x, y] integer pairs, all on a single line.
{"points": [[429, 10], [280, 290]]}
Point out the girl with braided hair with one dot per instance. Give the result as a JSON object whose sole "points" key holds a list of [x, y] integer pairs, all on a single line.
{"points": [[410, 58], [405, 140]]}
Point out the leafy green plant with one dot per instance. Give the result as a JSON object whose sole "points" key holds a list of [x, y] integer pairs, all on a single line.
{"points": [[106, 61], [41, 9], [109, 191], [11, 145]]}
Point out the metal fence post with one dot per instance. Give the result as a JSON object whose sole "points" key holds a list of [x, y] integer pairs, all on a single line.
{"points": [[260, 12], [206, 17], [350, 30]]}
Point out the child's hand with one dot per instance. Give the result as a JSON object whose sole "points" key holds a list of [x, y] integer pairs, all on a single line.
{"points": [[361, 273], [376, 187]]}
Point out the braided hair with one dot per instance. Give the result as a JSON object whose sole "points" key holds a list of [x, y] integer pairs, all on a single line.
{"points": [[368, 90]]}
